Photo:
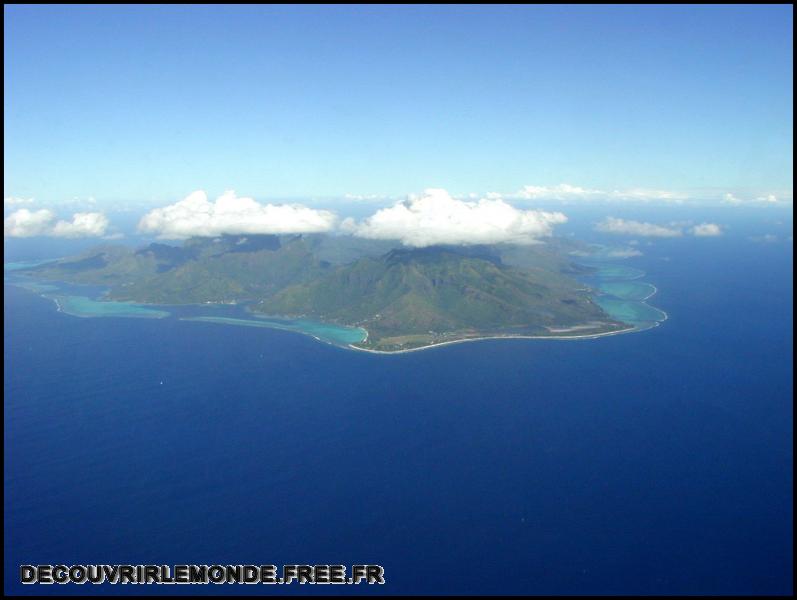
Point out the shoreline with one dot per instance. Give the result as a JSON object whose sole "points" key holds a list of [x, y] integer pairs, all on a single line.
{"points": [[653, 293], [347, 347], [589, 336], [352, 346]]}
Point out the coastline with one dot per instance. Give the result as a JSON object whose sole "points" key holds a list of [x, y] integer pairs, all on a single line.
{"points": [[352, 346], [346, 347], [653, 293], [589, 336]]}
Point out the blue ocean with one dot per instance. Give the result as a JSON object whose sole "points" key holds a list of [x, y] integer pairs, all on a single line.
{"points": [[657, 462]]}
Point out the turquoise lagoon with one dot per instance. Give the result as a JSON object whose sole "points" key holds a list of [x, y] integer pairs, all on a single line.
{"points": [[34, 286], [27, 264], [333, 334], [88, 301], [29, 284], [70, 299], [610, 272], [619, 291], [639, 314], [83, 306], [628, 290]]}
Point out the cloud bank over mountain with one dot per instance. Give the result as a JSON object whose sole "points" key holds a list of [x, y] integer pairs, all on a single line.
{"points": [[195, 215], [435, 217]]}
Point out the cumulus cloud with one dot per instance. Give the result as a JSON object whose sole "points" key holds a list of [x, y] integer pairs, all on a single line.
{"points": [[435, 217], [195, 215], [28, 223], [636, 228], [706, 230], [88, 224]]}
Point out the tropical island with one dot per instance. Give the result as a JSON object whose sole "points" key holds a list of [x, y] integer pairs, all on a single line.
{"points": [[405, 298]]}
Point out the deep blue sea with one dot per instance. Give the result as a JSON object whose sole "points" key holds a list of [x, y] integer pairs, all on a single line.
{"points": [[657, 462]]}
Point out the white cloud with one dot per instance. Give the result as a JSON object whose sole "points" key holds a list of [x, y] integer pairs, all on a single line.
{"points": [[10, 201], [782, 198], [563, 191], [437, 218], [706, 230], [731, 199], [566, 191], [27, 223], [88, 224], [672, 229], [367, 197], [637, 228], [195, 215], [768, 238], [624, 253], [646, 195]]}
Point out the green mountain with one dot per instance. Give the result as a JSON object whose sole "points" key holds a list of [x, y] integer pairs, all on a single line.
{"points": [[403, 298], [219, 270], [417, 297]]}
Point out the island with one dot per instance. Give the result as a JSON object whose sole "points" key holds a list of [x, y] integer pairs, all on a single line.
{"points": [[404, 298]]}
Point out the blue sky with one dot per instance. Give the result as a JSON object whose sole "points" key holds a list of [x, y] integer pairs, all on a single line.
{"points": [[150, 103]]}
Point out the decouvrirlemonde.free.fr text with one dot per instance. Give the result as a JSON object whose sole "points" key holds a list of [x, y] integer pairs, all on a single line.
{"points": [[201, 574]]}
